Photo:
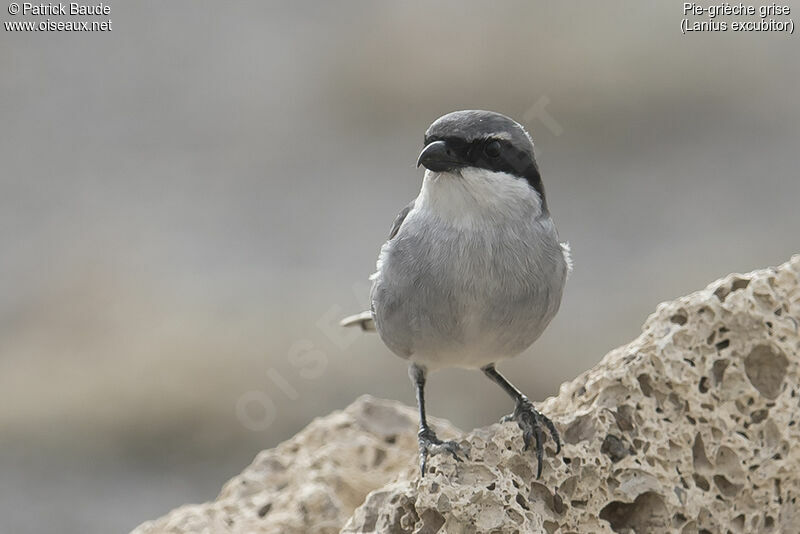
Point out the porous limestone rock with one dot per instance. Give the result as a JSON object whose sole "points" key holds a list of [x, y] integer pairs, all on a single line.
{"points": [[312, 482], [690, 428]]}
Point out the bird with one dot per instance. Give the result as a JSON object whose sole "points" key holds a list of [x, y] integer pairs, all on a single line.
{"points": [[473, 270]]}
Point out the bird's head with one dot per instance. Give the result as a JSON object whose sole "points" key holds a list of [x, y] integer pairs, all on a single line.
{"points": [[478, 144]]}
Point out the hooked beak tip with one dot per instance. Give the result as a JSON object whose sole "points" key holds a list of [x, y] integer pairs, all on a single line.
{"points": [[436, 156]]}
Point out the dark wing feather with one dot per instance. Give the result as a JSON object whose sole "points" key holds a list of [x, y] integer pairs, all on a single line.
{"points": [[398, 221], [365, 319]]}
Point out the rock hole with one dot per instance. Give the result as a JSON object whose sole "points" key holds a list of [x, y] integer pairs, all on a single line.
{"points": [[558, 504], [646, 384], [432, 522], [614, 448], [765, 367], [647, 513], [679, 318], [703, 386], [724, 344], [769, 522], [701, 482], [624, 417], [539, 493], [550, 526], [581, 429], [515, 516], [264, 510], [722, 292], [726, 487], [728, 463], [738, 523], [521, 501], [568, 486], [718, 370], [739, 283]]}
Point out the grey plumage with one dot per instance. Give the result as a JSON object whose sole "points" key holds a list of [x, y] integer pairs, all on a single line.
{"points": [[446, 295]]}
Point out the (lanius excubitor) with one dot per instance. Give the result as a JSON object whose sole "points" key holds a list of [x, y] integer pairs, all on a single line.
{"points": [[473, 270]]}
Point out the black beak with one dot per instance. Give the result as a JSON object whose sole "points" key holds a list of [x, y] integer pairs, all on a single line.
{"points": [[438, 157]]}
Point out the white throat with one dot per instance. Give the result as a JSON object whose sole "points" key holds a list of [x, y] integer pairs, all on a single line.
{"points": [[471, 196]]}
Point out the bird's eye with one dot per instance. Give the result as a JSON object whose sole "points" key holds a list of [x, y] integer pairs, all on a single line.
{"points": [[492, 149]]}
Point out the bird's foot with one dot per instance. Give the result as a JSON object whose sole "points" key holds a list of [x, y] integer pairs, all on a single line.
{"points": [[429, 444], [530, 421]]}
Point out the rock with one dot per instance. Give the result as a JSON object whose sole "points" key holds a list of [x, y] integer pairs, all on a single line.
{"points": [[692, 427], [314, 481]]}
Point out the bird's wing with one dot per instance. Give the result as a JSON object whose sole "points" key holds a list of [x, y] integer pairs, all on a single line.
{"points": [[398, 221], [365, 319]]}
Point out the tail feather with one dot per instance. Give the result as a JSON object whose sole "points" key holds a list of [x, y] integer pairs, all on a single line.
{"points": [[363, 319]]}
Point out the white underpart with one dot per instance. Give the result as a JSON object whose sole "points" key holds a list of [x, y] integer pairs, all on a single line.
{"points": [[473, 197], [477, 196]]}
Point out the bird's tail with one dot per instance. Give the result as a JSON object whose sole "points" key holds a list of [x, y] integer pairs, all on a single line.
{"points": [[363, 319]]}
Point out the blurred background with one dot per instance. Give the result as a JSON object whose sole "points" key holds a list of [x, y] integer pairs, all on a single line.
{"points": [[190, 202]]}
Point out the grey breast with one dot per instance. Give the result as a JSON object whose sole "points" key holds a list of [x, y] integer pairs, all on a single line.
{"points": [[438, 287]]}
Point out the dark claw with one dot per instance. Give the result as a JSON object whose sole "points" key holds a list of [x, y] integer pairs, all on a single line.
{"points": [[530, 421], [553, 432], [429, 444], [537, 431]]}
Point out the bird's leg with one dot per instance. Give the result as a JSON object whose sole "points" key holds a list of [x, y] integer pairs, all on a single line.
{"points": [[530, 420], [429, 443]]}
